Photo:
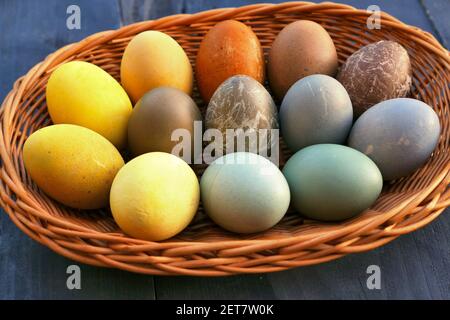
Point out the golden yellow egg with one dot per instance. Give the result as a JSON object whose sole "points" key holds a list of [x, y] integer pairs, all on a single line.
{"points": [[72, 164], [81, 93], [154, 196], [153, 59]]}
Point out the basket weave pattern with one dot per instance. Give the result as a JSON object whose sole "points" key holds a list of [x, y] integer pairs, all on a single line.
{"points": [[203, 248]]}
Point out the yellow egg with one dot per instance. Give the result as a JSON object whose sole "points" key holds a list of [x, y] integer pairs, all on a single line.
{"points": [[81, 93], [153, 59], [72, 164], [154, 196]]}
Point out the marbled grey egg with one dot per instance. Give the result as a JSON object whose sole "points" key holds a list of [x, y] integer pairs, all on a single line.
{"points": [[244, 192], [316, 109], [399, 135], [241, 102]]}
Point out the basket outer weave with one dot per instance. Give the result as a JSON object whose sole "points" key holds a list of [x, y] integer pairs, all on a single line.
{"points": [[204, 249]]}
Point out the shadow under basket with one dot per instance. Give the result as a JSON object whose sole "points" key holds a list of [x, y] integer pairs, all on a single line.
{"points": [[204, 249]]}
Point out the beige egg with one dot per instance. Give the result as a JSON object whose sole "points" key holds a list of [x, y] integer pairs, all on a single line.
{"points": [[301, 49]]}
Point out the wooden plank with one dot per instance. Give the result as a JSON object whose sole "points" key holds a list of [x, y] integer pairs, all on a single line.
{"points": [[409, 11], [438, 13], [223, 288], [139, 10], [31, 30]]}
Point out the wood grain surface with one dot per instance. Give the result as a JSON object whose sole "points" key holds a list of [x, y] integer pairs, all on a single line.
{"points": [[415, 266]]}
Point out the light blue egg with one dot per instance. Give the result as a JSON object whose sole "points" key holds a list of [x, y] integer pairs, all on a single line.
{"points": [[244, 192]]}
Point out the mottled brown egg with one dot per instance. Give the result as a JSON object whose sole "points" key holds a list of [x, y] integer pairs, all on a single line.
{"points": [[155, 118], [377, 72], [301, 49], [229, 48], [242, 104]]}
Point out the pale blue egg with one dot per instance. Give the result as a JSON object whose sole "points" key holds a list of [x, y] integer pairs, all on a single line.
{"points": [[244, 192]]}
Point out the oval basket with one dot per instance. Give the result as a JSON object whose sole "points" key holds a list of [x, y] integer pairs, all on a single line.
{"points": [[204, 249]]}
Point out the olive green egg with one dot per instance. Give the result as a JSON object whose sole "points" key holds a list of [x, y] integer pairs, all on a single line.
{"points": [[330, 182], [160, 121]]}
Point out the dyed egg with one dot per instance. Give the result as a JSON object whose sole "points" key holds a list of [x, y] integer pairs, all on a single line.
{"points": [[157, 118], [376, 72], [316, 109], [330, 182], [81, 93], [154, 196], [153, 59], [72, 164], [244, 192], [242, 103], [399, 135], [301, 49], [229, 48]]}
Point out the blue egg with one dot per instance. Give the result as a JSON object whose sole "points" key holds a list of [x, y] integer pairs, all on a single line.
{"points": [[316, 109], [244, 192], [399, 135]]}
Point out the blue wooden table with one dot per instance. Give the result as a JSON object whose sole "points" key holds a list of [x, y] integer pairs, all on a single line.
{"points": [[414, 266]]}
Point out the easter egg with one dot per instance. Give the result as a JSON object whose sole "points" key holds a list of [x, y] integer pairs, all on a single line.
{"points": [[399, 135], [377, 72], [157, 116], [154, 196], [243, 105], [330, 182], [244, 192], [301, 49], [72, 164], [315, 110], [229, 48], [154, 59], [83, 94]]}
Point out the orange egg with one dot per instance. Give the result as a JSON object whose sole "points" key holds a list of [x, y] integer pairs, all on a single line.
{"points": [[230, 48]]}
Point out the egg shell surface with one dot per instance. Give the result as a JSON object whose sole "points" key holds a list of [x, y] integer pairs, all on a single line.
{"points": [[83, 94], [330, 182], [72, 164], [244, 192], [315, 110], [399, 135]]}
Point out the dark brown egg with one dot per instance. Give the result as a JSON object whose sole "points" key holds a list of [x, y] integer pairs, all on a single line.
{"points": [[155, 118], [377, 72]]}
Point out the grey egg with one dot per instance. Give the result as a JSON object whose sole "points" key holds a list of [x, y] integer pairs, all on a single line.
{"points": [[399, 135], [316, 109]]}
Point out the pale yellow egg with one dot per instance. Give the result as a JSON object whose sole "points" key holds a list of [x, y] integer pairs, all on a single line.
{"points": [[154, 196]]}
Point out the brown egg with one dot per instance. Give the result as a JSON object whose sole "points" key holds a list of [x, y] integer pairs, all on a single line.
{"points": [[377, 72], [301, 49], [155, 117], [229, 48]]}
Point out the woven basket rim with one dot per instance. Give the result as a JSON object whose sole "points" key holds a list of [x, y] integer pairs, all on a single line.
{"points": [[23, 211]]}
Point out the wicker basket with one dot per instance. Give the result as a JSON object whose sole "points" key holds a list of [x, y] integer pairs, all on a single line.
{"points": [[204, 249]]}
